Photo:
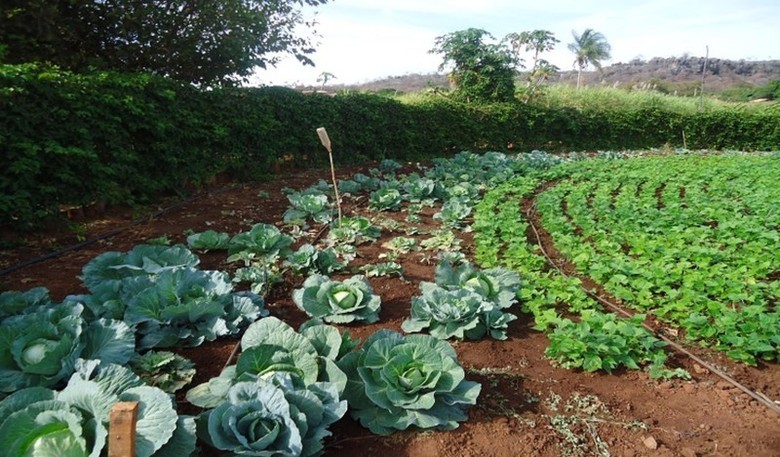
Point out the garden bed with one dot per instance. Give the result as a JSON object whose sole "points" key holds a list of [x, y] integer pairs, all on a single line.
{"points": [[527, 405]]}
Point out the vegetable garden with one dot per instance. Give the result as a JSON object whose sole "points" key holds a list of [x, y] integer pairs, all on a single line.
{"points": [[478, 305]]}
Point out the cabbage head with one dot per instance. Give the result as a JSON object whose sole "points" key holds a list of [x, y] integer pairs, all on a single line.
{"points": [[271, 346], [338, 302], [276, 416], [37, 421], [447, 313], [309, 204], [264, 240], [186, 306], [396, 382], [41, 346], [498, 285]]}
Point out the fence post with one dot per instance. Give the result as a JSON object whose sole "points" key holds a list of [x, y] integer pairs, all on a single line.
{"points": [[121, 429]]}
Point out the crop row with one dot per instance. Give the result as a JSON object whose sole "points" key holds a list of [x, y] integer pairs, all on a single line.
{"points": [[692, 240]]}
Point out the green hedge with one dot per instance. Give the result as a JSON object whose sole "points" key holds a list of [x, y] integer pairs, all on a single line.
{"points": [[107, 138]]}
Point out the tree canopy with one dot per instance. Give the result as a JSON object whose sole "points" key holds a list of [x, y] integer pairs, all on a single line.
{"points": [[590, 48], [481, 71], [203, 42]]}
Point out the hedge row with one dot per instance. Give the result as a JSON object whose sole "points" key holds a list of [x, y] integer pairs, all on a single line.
{"points": [[69, 139]]}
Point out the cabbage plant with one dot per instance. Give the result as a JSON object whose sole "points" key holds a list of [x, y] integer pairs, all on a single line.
{"points": [[308, 259], [353, 230], [208, 241], [309, 204], [276, 416], [41, 346], [281, 395], [453, 213], [264, 240], [106, 274], [385, 199], [185, 307], [37, 421], [448, 313], [339, 302], [498, 285], [397, 382], [14, 302], [271, 346], [417, 189], [166, 370]]}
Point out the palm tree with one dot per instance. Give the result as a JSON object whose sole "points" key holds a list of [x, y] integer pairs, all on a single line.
{"points": [[589, 48]]}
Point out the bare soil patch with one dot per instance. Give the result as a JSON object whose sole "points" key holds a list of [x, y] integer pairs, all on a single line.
{"points": [[527, 406]]}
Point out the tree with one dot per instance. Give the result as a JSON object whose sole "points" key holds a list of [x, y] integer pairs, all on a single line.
{"points": [[481, 71], [536, 42], [198, 41], [324, 77], [590, 48]]}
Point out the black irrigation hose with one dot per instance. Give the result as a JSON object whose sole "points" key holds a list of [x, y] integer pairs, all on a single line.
{"points": [[112, 233], [761, 398]]}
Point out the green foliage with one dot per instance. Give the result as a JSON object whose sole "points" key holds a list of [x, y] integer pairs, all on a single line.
{"points": [[770, 91], [271, 346], [217, 42], [106, 138], [372, 270], [40, 346], [165, 370], [589, 48], [601, 341], [385, 199], [277, 416], [396, 382], [308, 260], [208, 240], [455, 313], [482, 72], [74, 421], [338, 302], [308, 204], [353, 230], [264, 240]]}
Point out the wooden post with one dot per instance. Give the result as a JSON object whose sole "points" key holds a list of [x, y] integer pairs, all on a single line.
{"points": [[121, 429], [325, 140]]}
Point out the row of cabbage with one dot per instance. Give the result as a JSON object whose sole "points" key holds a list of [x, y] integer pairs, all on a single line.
{"points": [[64, 364]]}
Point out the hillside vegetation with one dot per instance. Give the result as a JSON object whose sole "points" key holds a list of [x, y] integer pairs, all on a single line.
{"points": [[673, 75]]}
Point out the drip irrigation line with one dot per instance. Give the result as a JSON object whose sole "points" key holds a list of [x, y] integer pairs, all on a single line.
{"points": [[761, 398], [111, 233]]}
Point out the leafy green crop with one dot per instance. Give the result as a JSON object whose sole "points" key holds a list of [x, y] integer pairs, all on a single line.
{"points": [[602, 341], [40, 346], [339, 302], [263, 240], [209, 240], [309, 204], [385, 199], [166, 370], [310, 260], [397, 382], [353, 230], [273, 416], [74, 421]]}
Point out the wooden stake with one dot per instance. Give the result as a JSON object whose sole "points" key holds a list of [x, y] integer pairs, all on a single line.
{"points": [[121, 429], [325, 140]]}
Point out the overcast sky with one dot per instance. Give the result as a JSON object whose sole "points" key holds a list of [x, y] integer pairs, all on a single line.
{"points": [[364, 40]]}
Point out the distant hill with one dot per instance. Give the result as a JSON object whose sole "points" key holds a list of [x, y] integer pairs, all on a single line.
{"points": [[673, 74]]}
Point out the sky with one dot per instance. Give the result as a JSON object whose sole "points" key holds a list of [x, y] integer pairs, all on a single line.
{"points": [[366, 40]]}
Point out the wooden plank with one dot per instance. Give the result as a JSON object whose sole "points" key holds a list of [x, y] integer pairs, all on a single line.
{"points": [[121, 429]]}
